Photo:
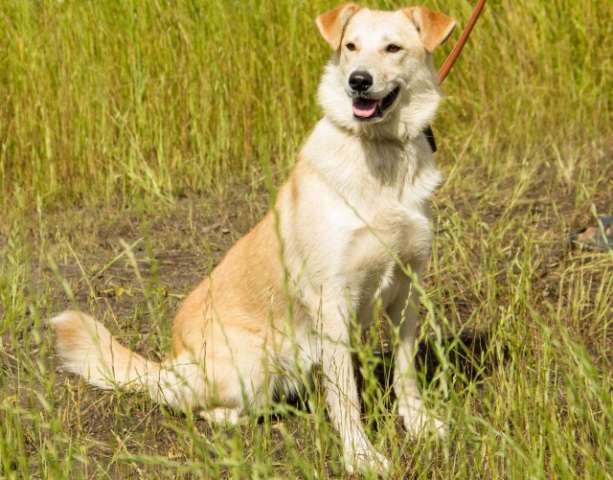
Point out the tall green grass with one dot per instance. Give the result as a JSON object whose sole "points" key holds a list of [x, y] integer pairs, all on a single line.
{"points": [[100, 99], [111, 112]]}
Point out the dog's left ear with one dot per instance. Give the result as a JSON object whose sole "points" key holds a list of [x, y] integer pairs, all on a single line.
{"points": [[433, 27], [332, 23]]}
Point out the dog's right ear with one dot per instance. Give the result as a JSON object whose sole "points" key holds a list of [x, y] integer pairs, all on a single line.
{"points": [[332, 23]]}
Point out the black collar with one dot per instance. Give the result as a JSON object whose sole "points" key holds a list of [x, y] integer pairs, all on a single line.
{"points": [[430, 137]]}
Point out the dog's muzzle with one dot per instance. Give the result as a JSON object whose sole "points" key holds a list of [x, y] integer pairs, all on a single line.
{"points": [[365, 108]]}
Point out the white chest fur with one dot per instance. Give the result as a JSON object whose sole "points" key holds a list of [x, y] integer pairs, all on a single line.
{"points": [[363, 207], [379, 186]]}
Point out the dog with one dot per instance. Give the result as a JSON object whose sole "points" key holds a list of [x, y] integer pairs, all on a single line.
{"points": [[350, 227]]}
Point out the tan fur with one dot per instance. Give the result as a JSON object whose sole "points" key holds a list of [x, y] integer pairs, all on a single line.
{"points": [[434, 27], [85, 343], [332, 23], [351, 218]]}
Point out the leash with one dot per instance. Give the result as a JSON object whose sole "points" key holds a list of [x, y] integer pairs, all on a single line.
{"points": [[451, 59], [457, 49]]}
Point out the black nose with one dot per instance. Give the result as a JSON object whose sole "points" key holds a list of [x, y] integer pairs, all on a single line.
{"points": [[360, 81]]}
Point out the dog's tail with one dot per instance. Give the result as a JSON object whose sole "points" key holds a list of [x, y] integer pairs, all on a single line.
{"points": [[88, 349]]}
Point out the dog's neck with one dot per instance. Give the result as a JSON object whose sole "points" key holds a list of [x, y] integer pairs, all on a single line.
{"points": [[369, 166]]}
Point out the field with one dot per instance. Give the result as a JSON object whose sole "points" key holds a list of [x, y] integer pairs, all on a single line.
{"points": [[140, 139]]}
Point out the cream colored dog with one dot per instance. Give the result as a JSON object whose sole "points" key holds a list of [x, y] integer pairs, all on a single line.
{"points": [[351, 219]]}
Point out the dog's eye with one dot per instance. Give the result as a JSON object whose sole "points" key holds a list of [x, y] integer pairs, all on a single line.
{"points": [[393, 48], [350, 46]]}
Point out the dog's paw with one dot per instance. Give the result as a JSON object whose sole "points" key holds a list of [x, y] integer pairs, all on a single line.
{"points": [[222, 416], [418, 421], [367, 460]]}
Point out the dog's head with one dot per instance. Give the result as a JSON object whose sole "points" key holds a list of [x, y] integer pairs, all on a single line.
{"points": [[381, 79]]}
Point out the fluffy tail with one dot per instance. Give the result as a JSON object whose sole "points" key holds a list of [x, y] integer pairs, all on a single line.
{"points": [[88, 349]]}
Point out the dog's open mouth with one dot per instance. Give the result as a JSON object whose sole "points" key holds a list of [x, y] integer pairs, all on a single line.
{"points": [[367, 108]]}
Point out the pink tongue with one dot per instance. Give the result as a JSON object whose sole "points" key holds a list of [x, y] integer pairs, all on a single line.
{"points": [[363, 110]]}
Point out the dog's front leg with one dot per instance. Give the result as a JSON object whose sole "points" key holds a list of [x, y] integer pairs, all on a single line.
{"points": [[403, 313], [342, 395]]}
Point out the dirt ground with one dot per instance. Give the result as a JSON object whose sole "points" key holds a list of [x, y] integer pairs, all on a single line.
{"points": [[176, 245]]}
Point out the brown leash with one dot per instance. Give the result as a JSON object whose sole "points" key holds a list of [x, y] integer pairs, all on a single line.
{"points": [[451, 59], [457, 49]]}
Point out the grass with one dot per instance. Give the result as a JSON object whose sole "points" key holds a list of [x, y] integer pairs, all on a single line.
{"points": [[164, 124]]}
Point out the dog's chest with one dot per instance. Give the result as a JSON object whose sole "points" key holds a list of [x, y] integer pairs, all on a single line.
{"points": [[387, 230], [369, 204], [392, 237]]}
